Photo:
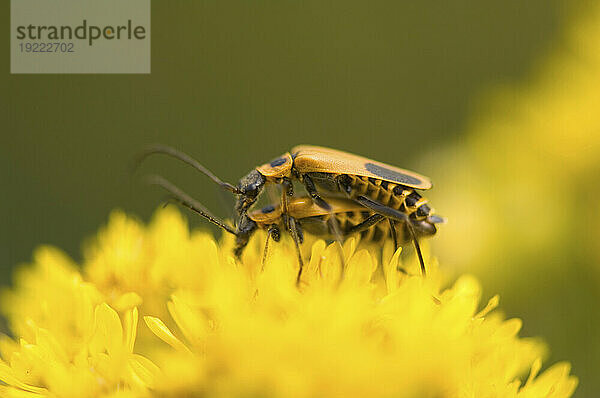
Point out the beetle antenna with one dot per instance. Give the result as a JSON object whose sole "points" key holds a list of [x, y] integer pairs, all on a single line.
{"points": [[174, 153], [179, 196]]}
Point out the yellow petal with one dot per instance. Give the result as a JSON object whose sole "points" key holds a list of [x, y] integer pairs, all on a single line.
{"points": [[191, 323], [108, 325], [162, 332], [359, 269], [491, 305], [535, 369], [143, 370], [48, 342], [390, 270], [130, 321], [314, 266], [7, 376], [349, 247]]}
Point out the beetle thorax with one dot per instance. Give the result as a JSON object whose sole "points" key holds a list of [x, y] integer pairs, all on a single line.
{"points": [[279, 167]]}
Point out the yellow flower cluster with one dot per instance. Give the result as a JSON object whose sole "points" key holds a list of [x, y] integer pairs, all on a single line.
{"points": [[529, 164], [70, 342], [216, 327], [521, 188]]}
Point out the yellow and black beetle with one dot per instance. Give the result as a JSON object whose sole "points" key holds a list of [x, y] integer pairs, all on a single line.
{"points": [[325, 173], [304, 215]]}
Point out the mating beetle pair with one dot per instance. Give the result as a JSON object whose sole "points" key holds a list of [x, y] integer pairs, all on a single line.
{"points": [[348, 193]]}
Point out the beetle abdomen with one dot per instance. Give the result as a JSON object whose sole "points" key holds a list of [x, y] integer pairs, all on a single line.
{"points": [[398, 197]]}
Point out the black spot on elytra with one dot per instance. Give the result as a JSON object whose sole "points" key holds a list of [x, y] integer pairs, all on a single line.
{"points": [[277, 162], [391, 175], [268, 209]]}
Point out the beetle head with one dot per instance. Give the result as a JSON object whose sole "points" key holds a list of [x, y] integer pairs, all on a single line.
{"points": [[249, 187]]}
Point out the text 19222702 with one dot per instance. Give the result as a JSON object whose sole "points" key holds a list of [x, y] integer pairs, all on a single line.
{"points": [[49, 47]]}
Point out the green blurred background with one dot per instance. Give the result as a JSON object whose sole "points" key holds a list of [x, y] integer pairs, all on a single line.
{"points": [[236, 83]]}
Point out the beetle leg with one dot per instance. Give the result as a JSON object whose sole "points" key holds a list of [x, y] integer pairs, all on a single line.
{"points": [[393, 233], [396, 216], [272, 232], [291, 223], [395, 239], [312, 191], [288, 187], [287, 190], [265, 251], [333, 224], [300, 232], [368, 223], [294, 229]]}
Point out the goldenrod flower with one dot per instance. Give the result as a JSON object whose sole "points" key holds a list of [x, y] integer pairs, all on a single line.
{"points": [[218, 327], [528, 163], [69, 342]]}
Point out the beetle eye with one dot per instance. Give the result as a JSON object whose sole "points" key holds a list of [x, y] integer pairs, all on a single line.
{"points": [[251, 191], [251, 184]]}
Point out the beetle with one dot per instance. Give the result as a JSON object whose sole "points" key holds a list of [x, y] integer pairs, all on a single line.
{"points": [[304, 215], [351, 217], [326, 173]]}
